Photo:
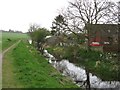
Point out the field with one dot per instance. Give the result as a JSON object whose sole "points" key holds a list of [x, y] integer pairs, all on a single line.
{"points": [[9, 38]]}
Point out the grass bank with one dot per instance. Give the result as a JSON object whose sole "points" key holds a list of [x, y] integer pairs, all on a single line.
{"points": [[27, 68]]}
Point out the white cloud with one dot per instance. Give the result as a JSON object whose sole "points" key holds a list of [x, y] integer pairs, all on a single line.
{"points": [[18, 14]]}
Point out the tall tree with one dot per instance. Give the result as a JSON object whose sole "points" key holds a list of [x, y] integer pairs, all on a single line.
{"points": [[58, 24], [81, 13], [92, 12], [86, 12], [38, 36]]}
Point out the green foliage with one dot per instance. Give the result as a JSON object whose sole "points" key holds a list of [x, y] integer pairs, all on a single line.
{"points": [[81, 41], [38, 37], [70, 53], [58, 24], [58, 52], [39, 34], [92, 55]]}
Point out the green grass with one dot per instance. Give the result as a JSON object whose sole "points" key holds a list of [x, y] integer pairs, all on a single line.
{"points": [[13, 37], [8, 80], [28, 69]]}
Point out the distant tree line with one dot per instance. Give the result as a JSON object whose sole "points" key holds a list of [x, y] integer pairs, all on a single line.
{"points": [[13, 31]]}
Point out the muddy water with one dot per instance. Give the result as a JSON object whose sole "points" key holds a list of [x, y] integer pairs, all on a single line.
{"points": [[79, 74]]}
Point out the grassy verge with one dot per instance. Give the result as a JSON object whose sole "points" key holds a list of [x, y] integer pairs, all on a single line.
{"points": [[29, 69]]}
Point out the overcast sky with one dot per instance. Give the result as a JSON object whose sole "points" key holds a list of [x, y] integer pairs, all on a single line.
{"points": [[19, 14]]}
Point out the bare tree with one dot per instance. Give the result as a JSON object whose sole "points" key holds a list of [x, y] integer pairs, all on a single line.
{"points": [[81, 13], [92, 12], [33, 27]]}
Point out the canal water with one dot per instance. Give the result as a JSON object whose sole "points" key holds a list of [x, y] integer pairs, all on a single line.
{"points": [[78, 74]]}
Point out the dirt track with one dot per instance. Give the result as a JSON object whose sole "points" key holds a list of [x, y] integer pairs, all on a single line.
{"points": [[1, 57], [10, 47], [2, 54]]}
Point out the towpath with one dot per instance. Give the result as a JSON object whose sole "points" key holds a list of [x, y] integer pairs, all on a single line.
{"points": [[1, 58]]}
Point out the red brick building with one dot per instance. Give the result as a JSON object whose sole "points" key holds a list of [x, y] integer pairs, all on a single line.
{"points": [[104, 35]]}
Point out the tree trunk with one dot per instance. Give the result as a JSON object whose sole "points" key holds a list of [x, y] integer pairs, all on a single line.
{"points": [[38, 46], [88, 80], [41, 49]]}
